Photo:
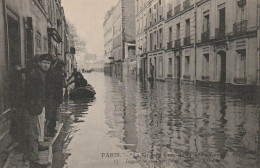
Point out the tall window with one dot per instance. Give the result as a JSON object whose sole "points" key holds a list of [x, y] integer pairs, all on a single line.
{"points": [[241, 64], [159, 43], [155, 41], [187, 28], [160, 66], [205, 68], [178, 31], [170, 66], [206, 23], [187, 65], [151, 41], [170, 34], [222, 19]]}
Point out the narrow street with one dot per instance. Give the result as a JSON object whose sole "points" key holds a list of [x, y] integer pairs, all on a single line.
{"points": [[163, 124]]}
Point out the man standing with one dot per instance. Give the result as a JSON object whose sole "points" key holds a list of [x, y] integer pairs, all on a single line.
{"points": [[54, 95], [35, 105]]}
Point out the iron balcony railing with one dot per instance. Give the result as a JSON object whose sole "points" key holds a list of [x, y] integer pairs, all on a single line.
{"points": [[186, 4], [220, 33], [169, 45], [205, 36], [187, 41], [177, 9], [240, 28], [169, 14], [178, 43]]}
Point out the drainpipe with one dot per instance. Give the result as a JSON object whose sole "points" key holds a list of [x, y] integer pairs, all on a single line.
{"points": [[258, 41], [195, 39]]}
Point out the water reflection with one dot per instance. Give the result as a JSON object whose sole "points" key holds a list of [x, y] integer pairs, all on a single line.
{"points": [[168, 124], [73, 113]]}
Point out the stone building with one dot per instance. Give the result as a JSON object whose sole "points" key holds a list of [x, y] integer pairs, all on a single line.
{"points": [[199, 41], [119, 30], [28, 27]]}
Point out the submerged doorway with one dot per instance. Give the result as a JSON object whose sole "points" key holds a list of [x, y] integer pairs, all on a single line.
{"points": [[222, 66], [14, 58]]}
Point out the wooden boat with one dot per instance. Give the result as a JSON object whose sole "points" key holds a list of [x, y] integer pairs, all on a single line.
{"points": [[82, 92]]}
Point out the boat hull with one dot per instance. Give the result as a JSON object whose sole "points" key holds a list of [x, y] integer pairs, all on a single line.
{"points": [[82, 92]]}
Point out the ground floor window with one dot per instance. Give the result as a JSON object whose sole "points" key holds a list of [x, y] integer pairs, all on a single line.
{"points": [[161, 66], [170, 66], [205, 65], [241, 64], [187, 65]]}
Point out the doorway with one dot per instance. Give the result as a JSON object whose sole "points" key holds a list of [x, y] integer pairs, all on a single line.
{"points": [[178, 66], [14, 58], [222, 66]]}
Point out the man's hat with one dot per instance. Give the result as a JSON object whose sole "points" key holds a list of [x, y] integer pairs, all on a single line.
{"points": [[46, 57]]}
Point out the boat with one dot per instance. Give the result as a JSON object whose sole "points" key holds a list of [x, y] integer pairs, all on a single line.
{"points": [[88, 71], [82, 92]]}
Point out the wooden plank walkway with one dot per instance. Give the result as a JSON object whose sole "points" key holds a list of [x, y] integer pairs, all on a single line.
{"points": [[14, 160]]}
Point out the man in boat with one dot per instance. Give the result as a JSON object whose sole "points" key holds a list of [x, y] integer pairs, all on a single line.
{"points": [[79, 81], [75, 74]]}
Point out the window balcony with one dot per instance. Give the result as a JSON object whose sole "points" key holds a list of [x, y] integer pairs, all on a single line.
{"points": [[177, 43], [169, 45], [240, 28], [187, 41], [169, 14], [240, 80], [220, 34], [205, 36], [177, 9], [186, 4]]}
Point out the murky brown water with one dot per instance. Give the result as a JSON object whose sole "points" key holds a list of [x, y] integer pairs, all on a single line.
{"points": [[136, 124]]}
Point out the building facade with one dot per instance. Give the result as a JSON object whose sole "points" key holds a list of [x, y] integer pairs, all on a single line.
{"points": [[119, 31], [205, 41], [28, 27]]}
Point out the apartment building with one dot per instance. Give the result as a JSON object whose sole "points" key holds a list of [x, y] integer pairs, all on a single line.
{"points": [[119, 31], [27, 28], [205, 41]]}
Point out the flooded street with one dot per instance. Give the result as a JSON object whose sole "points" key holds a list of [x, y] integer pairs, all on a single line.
{"points": [[131, 123]]}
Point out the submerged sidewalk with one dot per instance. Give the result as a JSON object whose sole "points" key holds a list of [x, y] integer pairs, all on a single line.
{"points": [[14, 160]]}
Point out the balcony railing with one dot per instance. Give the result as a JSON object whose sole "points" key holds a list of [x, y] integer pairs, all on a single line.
{"points": [[187, 41], [178, 43], [205, 36], [186, 4], [177, 9], [169, 14], [240, 80], [169, 45], [240, 28], [219, 33]]}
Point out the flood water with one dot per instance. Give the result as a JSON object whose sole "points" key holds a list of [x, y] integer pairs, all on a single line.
{"points": [[131, 123]]}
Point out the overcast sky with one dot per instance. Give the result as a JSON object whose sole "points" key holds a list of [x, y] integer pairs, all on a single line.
{"points": [[88, 16]]}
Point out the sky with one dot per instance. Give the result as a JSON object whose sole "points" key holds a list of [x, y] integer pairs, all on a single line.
{"points": [[88, 16]]}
